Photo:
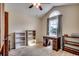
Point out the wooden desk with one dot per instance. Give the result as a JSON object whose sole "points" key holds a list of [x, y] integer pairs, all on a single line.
{"points": [[55, 41]]}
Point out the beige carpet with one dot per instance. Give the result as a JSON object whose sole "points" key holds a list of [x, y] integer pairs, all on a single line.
{"points": [[30, 51], [38, 50]]}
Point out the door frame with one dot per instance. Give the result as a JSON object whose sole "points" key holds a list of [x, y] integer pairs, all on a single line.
{"points": [[6, 46]]}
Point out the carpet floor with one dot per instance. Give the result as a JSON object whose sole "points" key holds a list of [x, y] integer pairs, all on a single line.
{"points": [[38, 50], [29, 51]]}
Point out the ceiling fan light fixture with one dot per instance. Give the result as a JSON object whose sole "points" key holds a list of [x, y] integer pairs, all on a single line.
{"points": [[37, 6], [34, 4]]}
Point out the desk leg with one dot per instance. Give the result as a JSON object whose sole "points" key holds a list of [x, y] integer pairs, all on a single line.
{"points": [[46, 42]]}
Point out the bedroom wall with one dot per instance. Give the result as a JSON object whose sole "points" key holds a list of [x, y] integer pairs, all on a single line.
{"points": [[70, 19], [19, 20]]}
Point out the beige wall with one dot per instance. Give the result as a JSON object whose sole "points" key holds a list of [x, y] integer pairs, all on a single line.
{"points": [[70, 19], [21, 21]]}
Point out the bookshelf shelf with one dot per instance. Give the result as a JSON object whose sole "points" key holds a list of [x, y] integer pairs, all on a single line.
{"points": [[30, 37], [71, 44]]}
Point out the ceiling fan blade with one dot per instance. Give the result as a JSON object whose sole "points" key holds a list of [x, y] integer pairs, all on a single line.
{"points": [[40, 8], [31, 6]]}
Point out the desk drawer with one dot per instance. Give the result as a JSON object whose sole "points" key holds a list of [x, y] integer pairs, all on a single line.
{"points": [[56, 44]]}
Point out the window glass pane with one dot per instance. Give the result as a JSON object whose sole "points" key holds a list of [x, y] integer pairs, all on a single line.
{"points": [[53, 25]]}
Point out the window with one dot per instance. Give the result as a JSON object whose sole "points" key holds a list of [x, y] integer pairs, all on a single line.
{"points": [[52, 26]]}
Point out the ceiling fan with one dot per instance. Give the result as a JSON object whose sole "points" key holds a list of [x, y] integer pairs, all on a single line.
{"points": [[37, 5]]}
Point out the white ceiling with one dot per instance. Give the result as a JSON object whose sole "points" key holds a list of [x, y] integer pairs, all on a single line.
{"points": [[24, 8]]}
